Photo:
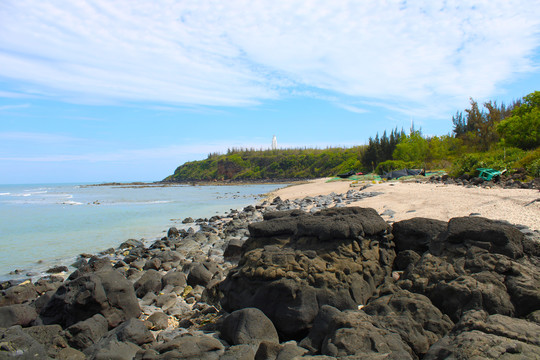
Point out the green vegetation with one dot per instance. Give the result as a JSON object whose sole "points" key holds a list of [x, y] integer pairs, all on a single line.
{"points": [[250, 164], [492, 136]]}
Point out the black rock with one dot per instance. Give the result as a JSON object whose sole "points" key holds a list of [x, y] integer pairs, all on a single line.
{"points": [[18, 314], [248, 326], [102, 292]]}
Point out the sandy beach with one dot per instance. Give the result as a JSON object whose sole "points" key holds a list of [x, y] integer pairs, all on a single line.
{"points": [[436, 201]]}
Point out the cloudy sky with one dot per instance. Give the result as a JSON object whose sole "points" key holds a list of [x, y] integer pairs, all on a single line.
{"points": [[127, 90]]}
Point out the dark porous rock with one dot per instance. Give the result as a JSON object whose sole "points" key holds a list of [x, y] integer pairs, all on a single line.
{"points": [[337, 257], [419, 323], [238, 352], [233, 251], [405, 258], [353, 333], [268, 350], [131, 243], [494, 236], [416, 234], [534, 316], [279, 214], [174, 278], [95, 264], [153, 263], [158, 321], [70, 354], [57, 269], [113, 349], [18, 314], [476, 264], [248, 326], [126, 339], [319, 330], [173, 233], [201, 347], [18, 294], [484, 290], [87, 332], [187, 220], [104, 292], [16, 344], [48, 283], [482, 336], [201, 274], [523, 284], [50, 336], [149, 282]]}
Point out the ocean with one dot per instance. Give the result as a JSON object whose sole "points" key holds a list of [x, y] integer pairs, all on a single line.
{"points": [[51, 224]]}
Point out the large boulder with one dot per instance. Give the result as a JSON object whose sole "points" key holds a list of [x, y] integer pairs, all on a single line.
{"points": [[104, 292], [19, 314], [336, 257], [87, 332], [494, 236], [416, 233], [248, 326], [149, 282], [479, 335], [18, 294], [126, 338], [419, 323], [476, 264], [353, 333]]}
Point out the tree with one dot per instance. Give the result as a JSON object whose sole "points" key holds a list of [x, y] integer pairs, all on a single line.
{"points": [[522, 129], [412, 148]]}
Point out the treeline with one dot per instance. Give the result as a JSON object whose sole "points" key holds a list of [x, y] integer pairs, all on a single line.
{"points": [[489, 135], [251, 164]]}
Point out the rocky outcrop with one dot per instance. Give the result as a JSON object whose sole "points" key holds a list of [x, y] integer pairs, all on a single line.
{"points": [[307, 282], [479, 335], [476, 264], [300, 261]]}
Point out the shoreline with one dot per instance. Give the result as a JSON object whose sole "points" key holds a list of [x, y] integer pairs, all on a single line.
{"points": [[181, 290], [35, 266], [404, 200]]}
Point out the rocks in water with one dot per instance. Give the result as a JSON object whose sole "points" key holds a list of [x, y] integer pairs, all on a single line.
{"points": [[57, 269], [340, 281]]}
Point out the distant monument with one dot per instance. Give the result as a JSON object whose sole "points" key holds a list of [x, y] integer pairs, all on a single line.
{"points": [[274, 143]]}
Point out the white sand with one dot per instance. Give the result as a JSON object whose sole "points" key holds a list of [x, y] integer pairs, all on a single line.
{"points": [[436, 201]]}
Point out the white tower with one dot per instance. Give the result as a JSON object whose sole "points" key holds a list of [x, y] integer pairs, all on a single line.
{"points": [[274, 143]]}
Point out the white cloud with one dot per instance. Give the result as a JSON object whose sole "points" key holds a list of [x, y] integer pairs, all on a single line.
{"points": [[238, 53], [352, 108], [14, 106]]}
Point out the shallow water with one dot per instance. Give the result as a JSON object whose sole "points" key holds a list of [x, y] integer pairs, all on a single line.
{"points": [[54, 223]]}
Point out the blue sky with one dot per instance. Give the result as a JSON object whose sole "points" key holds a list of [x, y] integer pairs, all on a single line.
{"points": [[127, 90]]}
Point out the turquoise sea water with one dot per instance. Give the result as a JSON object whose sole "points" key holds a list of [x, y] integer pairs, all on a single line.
{"points": [[53, 223]]}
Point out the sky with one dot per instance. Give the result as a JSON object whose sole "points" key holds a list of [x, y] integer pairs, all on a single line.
{"points": [[127, 90]]}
